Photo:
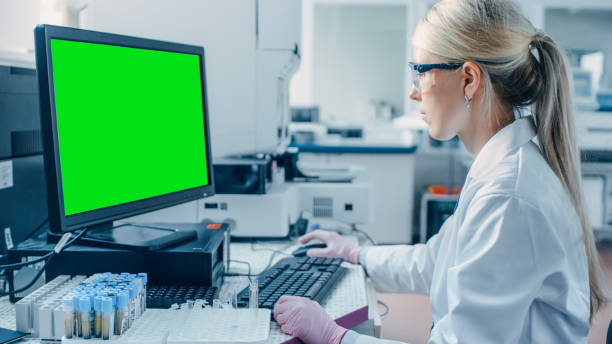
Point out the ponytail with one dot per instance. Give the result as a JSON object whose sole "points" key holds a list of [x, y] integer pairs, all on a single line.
{"points": [[520, 67], [553, 111]]}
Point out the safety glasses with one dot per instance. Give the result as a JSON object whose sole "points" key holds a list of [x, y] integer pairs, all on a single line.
{"points": [[419, 69]]}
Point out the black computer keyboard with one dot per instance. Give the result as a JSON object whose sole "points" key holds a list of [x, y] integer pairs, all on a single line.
{"points": [[304, 276], [165, 296]]}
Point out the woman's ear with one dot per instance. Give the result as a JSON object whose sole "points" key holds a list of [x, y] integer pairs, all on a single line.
{"points": [[471, 78]]}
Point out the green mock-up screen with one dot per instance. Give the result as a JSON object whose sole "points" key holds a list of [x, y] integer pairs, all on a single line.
{"points": [[130, 123]]}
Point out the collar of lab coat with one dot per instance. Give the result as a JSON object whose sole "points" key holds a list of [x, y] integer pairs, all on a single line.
{"points": [[501, 144]]}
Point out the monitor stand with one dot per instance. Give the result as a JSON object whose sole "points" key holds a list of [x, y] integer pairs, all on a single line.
{"points": [[131, 236]]}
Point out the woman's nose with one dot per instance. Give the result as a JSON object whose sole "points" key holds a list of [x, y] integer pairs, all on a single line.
{"points": [[414, 94]]}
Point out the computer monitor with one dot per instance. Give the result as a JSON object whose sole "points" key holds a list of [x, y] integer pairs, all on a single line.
{"points": [[124, 124]]}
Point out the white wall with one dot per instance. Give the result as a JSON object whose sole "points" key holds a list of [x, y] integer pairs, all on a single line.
{"points": [[19, 17], [359, 54], [17, 21]]}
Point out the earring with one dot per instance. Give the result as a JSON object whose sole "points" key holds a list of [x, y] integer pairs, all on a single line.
{"points": [[468, 102]]}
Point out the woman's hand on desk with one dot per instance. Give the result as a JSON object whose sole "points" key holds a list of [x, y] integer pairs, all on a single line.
{"points": [[337, 247], [307, 320]]}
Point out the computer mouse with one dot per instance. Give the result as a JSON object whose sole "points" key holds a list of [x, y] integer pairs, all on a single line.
{"points": [[301, 251]]}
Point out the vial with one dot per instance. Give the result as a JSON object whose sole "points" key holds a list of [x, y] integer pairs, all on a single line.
{"points": [[131, 304], [98, 316], [254, 294], [76, 325], [122, 315], [68, 308], [107, 318], [144, 278], [85, 313], [133, 293], [216, 304], [137, 282]]}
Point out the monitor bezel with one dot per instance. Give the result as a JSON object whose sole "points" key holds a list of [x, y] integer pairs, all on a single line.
{"points": [[58, 221]]}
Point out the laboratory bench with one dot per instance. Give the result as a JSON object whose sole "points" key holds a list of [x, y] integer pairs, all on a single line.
{"points": [[353, 298]]}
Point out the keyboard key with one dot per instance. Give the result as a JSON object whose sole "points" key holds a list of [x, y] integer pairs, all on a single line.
{"points": [[314, 290]]}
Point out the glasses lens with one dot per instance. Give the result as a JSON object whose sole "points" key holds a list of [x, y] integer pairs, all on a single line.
{"points": [[415, 80]]}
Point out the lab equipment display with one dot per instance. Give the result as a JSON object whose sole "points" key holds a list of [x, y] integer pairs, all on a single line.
{"points": [[306, 276], [125, 131], [435, 209]]}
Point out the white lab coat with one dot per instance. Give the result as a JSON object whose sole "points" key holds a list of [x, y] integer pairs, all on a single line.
{"points": [[509, 266]]}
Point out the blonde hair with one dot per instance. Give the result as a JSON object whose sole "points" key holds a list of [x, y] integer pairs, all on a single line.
{"points": [[520, 66]]}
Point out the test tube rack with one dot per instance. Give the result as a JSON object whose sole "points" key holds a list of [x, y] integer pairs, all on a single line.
{"points": [[40, 310]]}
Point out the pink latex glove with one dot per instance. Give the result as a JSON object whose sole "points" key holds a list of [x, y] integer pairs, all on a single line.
{"points": [[307, 320], [337, 247]]}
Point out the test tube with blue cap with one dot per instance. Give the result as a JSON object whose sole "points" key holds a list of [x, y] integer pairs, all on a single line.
{"points": [[98, 316], [68, 308], [108, 323], [121, 314], [77, 315], [144, 278], [132, 304], [137, 281], [85, 316]]}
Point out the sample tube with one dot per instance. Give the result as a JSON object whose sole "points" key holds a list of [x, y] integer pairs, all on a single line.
{"points": [[121, 316], [85, 313], [132, 304], [68, 308], [92, 314], [144, 278], [78, 330], [137, 281], [98, 316], [107, 318], [254, 294]]}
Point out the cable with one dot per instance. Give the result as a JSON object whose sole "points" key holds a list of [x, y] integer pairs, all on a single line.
{"points": [[31, 282], [386, 312], [355, 229], [20, 265], [281, 250], [57, 250], [249, 274]]}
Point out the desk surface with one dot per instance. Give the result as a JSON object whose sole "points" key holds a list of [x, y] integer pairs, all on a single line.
{"points": [[350, 294]]}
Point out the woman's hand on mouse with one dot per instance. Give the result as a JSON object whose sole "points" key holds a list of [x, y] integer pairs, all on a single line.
{"points": [[307, 320], [337, 247]]}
